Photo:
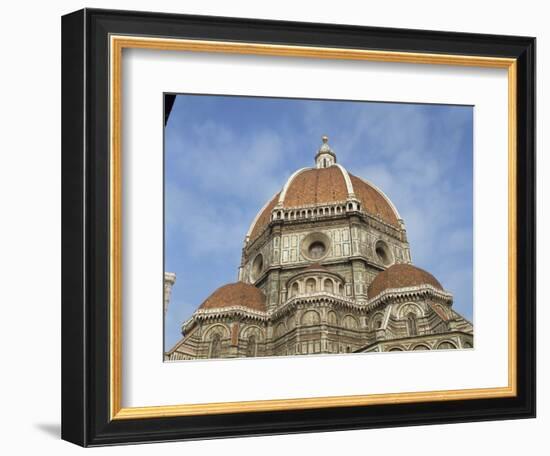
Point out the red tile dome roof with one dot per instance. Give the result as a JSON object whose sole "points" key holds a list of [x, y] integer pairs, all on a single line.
{"points": [[236, 294], [317, 186], [401, 276]]}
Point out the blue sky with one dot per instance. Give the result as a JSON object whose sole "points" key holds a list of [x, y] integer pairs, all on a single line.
{"points": [[226, 156]]}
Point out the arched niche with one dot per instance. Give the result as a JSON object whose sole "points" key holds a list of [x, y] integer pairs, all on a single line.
{"points": [[332, 318], [328, 285], [446, 345], [349, 322], [217, 328], [310, 317], [311, 285]]}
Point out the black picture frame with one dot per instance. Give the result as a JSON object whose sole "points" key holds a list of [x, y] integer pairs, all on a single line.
{"points": [[85, 227]]}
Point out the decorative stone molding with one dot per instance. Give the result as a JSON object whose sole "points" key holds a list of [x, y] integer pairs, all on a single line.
{"points": [[417, 292]]}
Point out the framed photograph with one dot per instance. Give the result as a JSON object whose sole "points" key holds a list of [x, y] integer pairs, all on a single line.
{"points": [[278, 227]]}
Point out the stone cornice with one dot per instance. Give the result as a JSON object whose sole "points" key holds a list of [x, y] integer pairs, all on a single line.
{"points": [[233, 311], [408, 292], [365, 217], [321, 297], [314, 272], [315, 297], [447, 335], [244, 312]]}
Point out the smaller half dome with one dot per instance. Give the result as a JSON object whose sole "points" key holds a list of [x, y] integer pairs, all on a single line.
{"points": [[236, 294], [401, 276]]}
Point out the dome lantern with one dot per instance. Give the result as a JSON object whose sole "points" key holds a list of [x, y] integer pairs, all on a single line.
{"points": [[325, 156]]}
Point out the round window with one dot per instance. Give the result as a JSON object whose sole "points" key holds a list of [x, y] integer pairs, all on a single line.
{"points": [[315, 246], [316, 250], [383, 253]]}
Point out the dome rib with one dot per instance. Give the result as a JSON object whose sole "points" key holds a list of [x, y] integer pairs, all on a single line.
{"points": [[282, 194], [374, 201], [262, 218], [347, 179], [389, 201]]}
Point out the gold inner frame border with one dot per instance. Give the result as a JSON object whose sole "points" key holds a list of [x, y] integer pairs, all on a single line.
{"points": [[116, 46]]}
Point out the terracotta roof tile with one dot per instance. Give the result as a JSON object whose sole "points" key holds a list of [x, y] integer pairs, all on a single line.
{"points": [[264, 218], [373, 202], [236, 294], [316, 186]]}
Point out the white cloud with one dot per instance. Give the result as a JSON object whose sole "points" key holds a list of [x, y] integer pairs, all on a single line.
{"points": [[204, 228], [220, 161]]}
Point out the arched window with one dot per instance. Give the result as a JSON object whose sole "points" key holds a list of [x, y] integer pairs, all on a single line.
{"points": [[295, 290], [329, 286], [310, 285], [215, 346], [251, 346], [411, 324]]}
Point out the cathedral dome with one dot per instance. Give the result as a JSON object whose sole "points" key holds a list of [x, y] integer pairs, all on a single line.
{"points": [[236, 294], [327, 183], [401, 276]]}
